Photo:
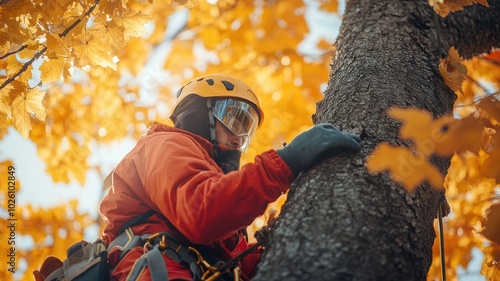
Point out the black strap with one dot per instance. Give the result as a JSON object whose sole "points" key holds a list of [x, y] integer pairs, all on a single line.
{"points": [[142, 218], [152, 259]]}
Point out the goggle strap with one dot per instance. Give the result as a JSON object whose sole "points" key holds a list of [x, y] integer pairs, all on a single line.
{"points": [[211, 120]]}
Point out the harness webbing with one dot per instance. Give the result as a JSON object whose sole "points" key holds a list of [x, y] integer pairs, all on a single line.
{"points": [[196, 258]]}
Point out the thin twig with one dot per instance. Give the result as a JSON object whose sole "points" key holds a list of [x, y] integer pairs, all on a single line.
{"points": [[14, 52], [67, 30], [478, 98], [42, 51], [477, 84], [24, 68]]}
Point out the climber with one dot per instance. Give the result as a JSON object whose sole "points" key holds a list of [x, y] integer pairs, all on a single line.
{"points": [[184, 183]]}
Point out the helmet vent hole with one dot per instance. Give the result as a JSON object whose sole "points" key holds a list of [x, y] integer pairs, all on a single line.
{"points": [[229, 85], [210, 82]]}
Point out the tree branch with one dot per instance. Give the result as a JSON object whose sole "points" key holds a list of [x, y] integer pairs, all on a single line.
{"points": [[14, 52], [67, 30], [42, 51], [24, 68], [473, 31]]}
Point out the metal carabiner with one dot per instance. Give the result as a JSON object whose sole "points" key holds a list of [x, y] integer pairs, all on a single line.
{"points": [[150, 241]]}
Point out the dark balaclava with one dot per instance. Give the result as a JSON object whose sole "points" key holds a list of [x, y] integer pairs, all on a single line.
{"points": [[194, 117]]}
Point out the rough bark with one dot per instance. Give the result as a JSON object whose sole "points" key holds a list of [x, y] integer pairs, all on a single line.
{"points": [[340, 222]]}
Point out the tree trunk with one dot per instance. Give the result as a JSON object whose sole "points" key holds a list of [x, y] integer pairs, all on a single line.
{"points": [[340, 222]]}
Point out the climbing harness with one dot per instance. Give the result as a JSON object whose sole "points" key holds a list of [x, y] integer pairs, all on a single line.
{"points": [[198, 259]]}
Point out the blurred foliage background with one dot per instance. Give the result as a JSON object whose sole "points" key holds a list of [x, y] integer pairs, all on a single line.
{"points": [[80, 75]]}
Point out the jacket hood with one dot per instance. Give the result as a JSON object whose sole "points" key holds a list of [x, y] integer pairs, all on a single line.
{"points": [[162, 128]]}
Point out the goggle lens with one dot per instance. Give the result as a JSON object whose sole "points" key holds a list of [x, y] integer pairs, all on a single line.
{"points": [[239, 117]]}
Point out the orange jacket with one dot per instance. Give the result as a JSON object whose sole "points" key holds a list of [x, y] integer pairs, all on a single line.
{"points": [[172, 171]]}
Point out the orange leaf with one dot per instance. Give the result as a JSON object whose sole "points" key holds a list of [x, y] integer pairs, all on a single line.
{"points": [[134, 23], [491, 106], [452, 70], [405, 166], [490, 167], [491, 224], [419, 126], [329, 5], [23, 105], [444, 7], [465, 134], [52, 70]]}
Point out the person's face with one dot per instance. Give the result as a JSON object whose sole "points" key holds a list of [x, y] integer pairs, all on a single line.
{"points": [[224, 137]]}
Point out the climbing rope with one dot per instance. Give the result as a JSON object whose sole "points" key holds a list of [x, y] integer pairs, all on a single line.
{"points": [[442, 52]]}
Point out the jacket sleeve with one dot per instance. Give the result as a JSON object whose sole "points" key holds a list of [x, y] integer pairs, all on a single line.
{"points": [[205, 205]]}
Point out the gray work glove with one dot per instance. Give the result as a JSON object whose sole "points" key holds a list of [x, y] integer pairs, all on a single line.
{"points": [[314, 145]]}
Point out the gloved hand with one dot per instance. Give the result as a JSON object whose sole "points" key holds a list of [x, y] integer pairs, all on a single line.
{"points": [[311, 146]]}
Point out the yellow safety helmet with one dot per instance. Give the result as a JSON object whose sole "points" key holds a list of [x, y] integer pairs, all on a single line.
{"points": [[235, 105]]}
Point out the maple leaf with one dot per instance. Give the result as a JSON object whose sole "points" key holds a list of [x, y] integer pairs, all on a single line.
{"points": [[490, 167], [452, 70], [52, 70], [491, 264], [5, 123], [464, 134], [134, 24], [94, 51], [405, 167], [25, 104], [419, 126]]}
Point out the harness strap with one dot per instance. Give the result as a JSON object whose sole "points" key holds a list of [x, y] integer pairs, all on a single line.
{"points": [[126, 242], [152, 259]]}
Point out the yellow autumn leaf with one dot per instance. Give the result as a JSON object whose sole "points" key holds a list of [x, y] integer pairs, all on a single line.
{"points": [[491, 263], [444, 7], [490, 167], [5, 123], [51, 70], [134, 24], [24, 105], [491, 106], [405, 167], [419, 126], [5, 99], [465, 134], [329, 5], [58, 47], [94, 51], [329, 47], [491, 224], [13, 65], [452, 70]]}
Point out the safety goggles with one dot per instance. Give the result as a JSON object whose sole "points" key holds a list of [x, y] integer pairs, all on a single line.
{"points": [[239, 117]]}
